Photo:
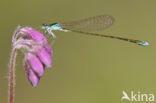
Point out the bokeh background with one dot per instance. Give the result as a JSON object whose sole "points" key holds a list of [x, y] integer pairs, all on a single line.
{"points": [[85, 69]]}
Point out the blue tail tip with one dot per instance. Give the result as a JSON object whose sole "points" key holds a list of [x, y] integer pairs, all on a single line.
{"points": [[143, 43]]}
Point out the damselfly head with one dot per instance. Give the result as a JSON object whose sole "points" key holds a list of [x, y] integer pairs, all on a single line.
{"points": [[44, 26]]}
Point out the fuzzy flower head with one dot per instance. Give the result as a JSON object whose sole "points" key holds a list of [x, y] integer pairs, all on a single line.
{"points": [[37, 53]]}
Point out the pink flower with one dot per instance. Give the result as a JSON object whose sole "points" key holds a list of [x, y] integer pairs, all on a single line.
{"points": [[37, 53]]}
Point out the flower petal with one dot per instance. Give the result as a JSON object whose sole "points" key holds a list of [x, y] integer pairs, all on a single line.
{"points": [[33, 78], [30, 33], [48, 49], [45, 57], [35, 64]]}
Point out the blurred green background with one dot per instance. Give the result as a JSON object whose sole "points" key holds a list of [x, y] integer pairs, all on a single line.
{"points": [[85, 69]]}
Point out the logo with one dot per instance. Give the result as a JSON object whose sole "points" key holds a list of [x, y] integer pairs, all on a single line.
{"points": [[137, 96]]}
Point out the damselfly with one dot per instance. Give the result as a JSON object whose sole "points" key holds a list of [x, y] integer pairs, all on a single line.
{"points": [[86, 26]]}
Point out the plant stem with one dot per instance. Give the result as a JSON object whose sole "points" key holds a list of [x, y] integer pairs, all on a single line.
{"points": [[12, 75]]}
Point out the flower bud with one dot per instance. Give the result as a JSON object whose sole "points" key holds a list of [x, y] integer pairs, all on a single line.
{"points": [[33, 78], [35, 64], [29, 33], [45, 57]]}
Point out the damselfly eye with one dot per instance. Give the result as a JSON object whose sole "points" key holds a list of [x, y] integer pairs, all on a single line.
{"points": [[44, 24]]}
